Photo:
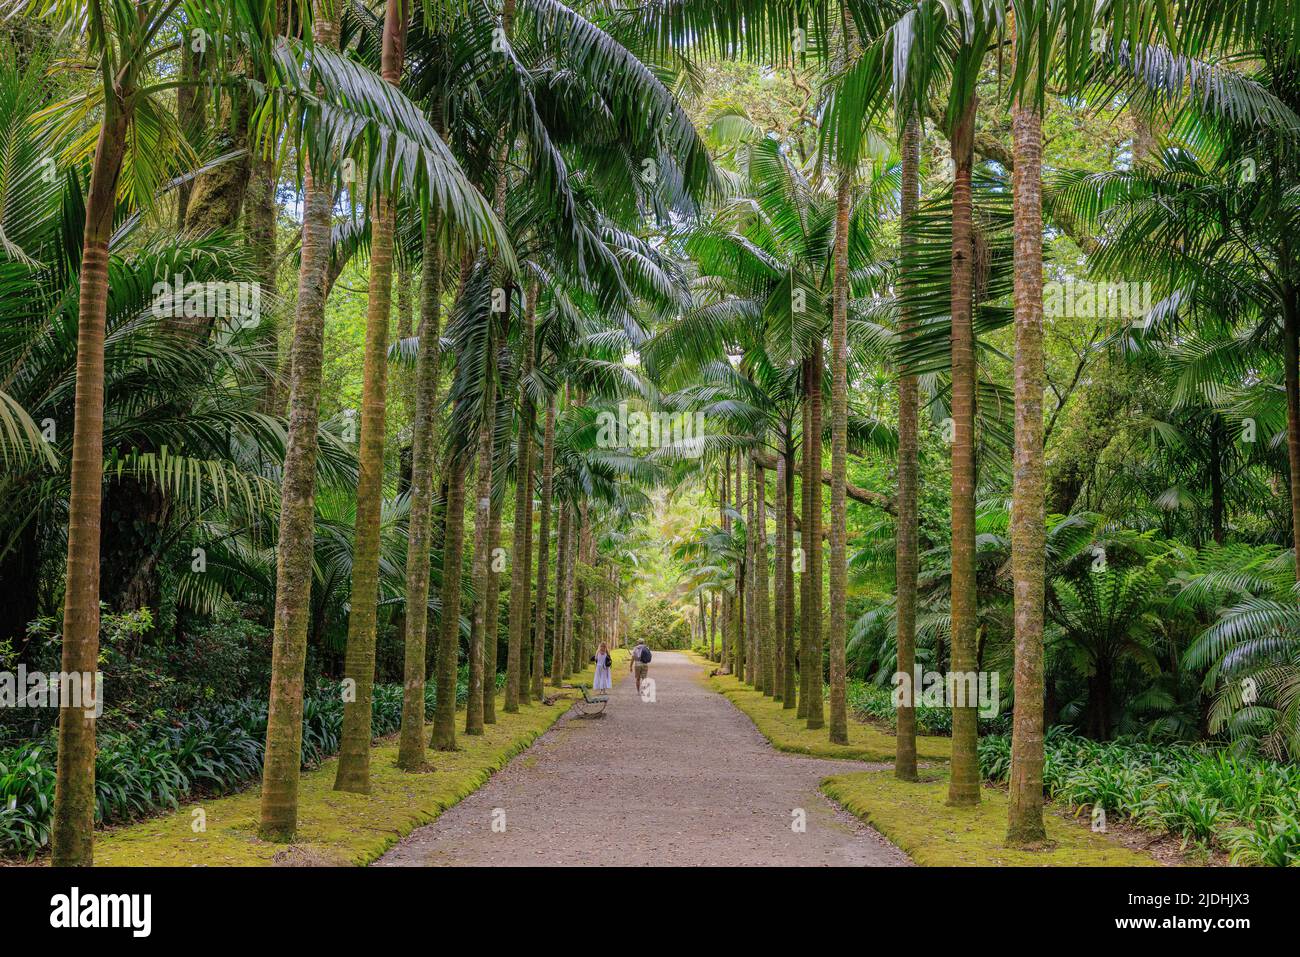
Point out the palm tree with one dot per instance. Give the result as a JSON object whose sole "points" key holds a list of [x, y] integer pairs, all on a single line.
{"points": [[482, 519], [520, 574], [411, 753], [447, 652], [128, 45], [359, 669], [122, 41], [839, 730], [906, 526], [1028, 531], [543, 549], [371, 112]]}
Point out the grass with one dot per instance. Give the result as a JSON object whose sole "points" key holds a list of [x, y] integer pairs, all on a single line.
{"points": [[916, 817], [788, 733], [334, 827]]}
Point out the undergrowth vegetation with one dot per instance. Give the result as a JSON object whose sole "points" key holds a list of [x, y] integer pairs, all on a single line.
{"points": [[1210, 798], [157, 765]]}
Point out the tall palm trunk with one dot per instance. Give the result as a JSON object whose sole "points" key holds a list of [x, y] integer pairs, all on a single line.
{"points": [[522, 541], [558, 659], [492, 617], [481, 567], [806, 485], [73, 825], [359, 667], [282, 757], [259, 227], [1028, 529], [448, 651], [779, 563], [766, 653], [1291, 355], [839, 730], [543, 552], [713, 626], [905, 536], [410, 749], [724, 519], [788, 666], [739, 624], [566, 607], [578, 590], [964, 784], [814, 556], [752, 672]]}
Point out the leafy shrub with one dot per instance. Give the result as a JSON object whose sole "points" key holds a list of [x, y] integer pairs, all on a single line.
{"points": [[156, 765], [870, 701], [1209, 798]]}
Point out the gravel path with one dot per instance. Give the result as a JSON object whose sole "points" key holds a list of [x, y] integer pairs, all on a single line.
{"points": [[683, 780]]}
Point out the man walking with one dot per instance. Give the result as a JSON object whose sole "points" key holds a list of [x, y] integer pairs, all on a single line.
{"points": [[639, 663]]}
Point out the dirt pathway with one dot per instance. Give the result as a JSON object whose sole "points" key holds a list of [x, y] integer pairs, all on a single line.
{"points": [[682, 780]]}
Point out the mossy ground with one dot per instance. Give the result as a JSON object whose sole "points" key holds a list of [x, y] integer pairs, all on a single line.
{"points": [[788, 733], [335, 827], [916, 817]]}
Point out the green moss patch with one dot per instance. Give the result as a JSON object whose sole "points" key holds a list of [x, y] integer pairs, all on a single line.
{"points": [[788, 733], [334, 827], [916, 817]]}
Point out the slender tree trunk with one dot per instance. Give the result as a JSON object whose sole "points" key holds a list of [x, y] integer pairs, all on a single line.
{"points": [[481, 568], [1291, 355], [780, 562], [191, 111], [282, 757], [259, 226], [73, 825], [359, 669], [453, 545], [523, 531], [492, 619], [724, 519], [766, 648], [1217, 507], [739, 623], [570, 589], [814, 539], [806, 484], [410, 749], [579, 589], [791, 665], [564, 598], [1028, 529], [755, 651], [905, 536], [964, 783], [540, 615], [839, 730], [753, 659], [558, 659], [217, 197]]}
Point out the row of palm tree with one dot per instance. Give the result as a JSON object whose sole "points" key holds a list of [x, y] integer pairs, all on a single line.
{"points": [[532, 161], [432, 110], [882, 55]]}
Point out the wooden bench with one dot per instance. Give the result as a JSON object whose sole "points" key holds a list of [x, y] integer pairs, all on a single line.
{"points": [[591, 706]]}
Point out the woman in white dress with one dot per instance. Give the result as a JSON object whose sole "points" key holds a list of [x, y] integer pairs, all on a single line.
{"points": [[603, 682]]}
